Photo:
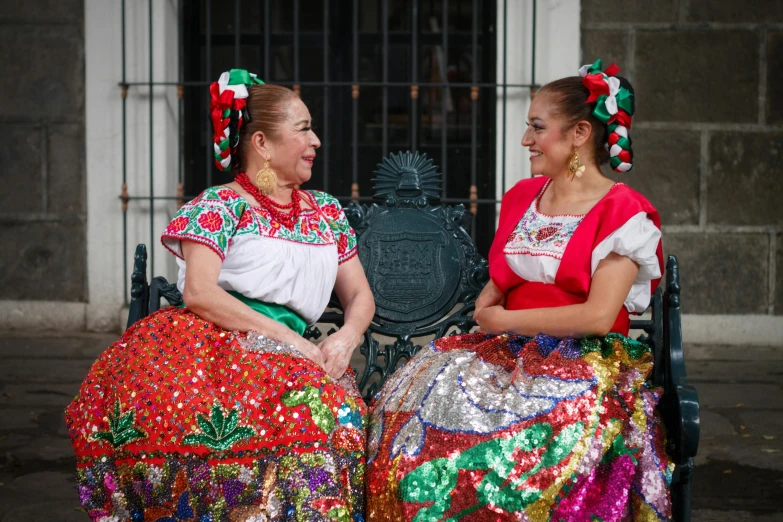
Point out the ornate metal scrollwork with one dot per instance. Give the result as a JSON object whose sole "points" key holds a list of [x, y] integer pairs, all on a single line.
{"points": [[423, 267], [407, 179]]}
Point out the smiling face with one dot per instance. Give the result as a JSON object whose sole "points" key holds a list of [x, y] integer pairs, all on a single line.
{"points": [[550, 143], [292, 152]]}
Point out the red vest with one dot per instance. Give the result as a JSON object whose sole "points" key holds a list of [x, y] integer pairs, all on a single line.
{"points": [[572, 282]]}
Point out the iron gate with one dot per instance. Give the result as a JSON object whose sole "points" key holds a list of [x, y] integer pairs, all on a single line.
{"points": [[378, 76]]}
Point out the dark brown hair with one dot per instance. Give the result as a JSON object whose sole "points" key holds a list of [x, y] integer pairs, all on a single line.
{"points": [[267, 107], [569, 96]]}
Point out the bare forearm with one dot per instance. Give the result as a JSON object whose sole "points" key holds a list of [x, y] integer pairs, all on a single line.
{"points": [[579, 320], [359, 312], [216, 305]]}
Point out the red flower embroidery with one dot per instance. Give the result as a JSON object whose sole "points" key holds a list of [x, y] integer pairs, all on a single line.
{"points": [[211, 221], [246, 220], [342, 244], [331, 211], [547, 232], [178, 225], [274, 226], [225, 195]]}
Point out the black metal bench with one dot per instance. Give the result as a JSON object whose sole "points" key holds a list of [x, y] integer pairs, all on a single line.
{"points": [[426, 274]]}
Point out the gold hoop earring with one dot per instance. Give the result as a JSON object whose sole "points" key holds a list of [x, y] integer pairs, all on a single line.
{"points": [[575, 166], [266, 180]]}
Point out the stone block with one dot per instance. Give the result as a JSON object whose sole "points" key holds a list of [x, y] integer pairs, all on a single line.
{"points": [[732, 372], [51, 485], [601, 11], [26, 395], [46, 11], [666, 171], [66, 169], [73, 346], [714, 395], [45, 373], [745, 186], [60, 511], [21, 155], [609, 46], [779, 277], [673, 85], [721, 273], [43, 261], [43, 72], [733, 11], [774, 97]]}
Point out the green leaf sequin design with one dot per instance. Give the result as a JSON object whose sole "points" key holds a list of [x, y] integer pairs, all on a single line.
{"points": [[219, 432], [434, 481], [122, 429], [310, 397]]}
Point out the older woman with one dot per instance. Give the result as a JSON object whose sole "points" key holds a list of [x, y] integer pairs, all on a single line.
{"points": [[545, 415], [222, 411]]}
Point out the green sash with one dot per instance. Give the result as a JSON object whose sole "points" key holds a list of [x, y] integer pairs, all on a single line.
{"points": [[279, 313]]}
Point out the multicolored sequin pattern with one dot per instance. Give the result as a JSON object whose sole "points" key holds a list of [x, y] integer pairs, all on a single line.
{"points": [[180, 420], [480, 427], [219, 215]]}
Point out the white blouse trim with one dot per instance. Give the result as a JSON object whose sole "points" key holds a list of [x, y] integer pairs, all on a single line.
{"points": [[638, 240]]}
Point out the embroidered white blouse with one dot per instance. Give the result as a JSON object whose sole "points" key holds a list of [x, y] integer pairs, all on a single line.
{"points": [[535, 248], [262, 259]]}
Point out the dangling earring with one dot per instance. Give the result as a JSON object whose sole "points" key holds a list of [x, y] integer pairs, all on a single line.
{"points": [[575, 166], [266, 179]]}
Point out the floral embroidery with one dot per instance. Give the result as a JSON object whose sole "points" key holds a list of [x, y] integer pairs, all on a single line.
{"points": [[211, 221], [331, 211], [346, 236], [226, 194], [541, 235], [245, 221], [219, 432], [121, 428], [220, 214], [178, 225]]}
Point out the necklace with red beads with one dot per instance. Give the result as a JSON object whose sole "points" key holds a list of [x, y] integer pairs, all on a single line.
{"points": [[289, 219]]}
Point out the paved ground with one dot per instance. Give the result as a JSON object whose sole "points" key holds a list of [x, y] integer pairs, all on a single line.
{"points": [[739, 474]]}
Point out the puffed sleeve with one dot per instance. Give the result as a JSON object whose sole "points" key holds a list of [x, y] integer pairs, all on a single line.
{"points": [[211, 219], [638, 240], [343, 232]]}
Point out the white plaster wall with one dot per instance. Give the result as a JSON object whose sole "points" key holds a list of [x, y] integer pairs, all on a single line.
{"points": [[103, 69], [557, 55]]}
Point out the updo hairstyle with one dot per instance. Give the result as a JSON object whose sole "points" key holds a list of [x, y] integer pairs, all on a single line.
{"points": [[608, 140]]}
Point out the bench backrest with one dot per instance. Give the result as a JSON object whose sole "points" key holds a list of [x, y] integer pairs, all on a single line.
{"points": [[420, 261]]}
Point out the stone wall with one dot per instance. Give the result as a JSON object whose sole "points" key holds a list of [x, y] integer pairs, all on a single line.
{"points": [[42, 201], [707, 137]]}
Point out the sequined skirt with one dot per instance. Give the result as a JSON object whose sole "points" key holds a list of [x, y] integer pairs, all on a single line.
{"points": [[495, 428], [180, 420]]}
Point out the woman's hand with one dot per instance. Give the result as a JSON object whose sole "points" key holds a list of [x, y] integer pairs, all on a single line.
{"points": [[492, 320], [311, 351], [491, 295], [337, 350]]}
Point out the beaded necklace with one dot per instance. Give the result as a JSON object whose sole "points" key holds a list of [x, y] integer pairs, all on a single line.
{"points": [[288, 220]]}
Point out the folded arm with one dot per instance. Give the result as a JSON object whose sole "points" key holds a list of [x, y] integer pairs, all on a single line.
{"points": [[609, 287]]}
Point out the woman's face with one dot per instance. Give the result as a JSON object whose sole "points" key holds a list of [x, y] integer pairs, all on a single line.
{"points": [[292, 155], [550, 148]]}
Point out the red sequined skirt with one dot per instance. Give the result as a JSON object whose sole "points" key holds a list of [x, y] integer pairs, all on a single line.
{"points": [[495, 428], [181, 420]]}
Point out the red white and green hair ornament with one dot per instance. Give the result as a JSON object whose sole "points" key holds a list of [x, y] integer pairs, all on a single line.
{"points": [[614, 106], [227, 109]]}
